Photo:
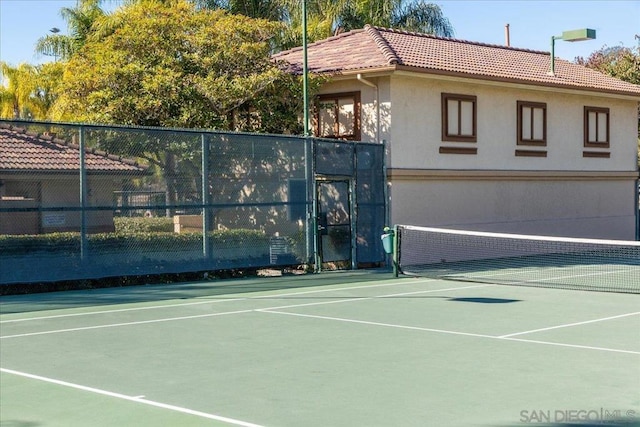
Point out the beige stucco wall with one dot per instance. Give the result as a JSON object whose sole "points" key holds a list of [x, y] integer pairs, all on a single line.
{"points": [[558, 205], [60, 191], [416, 127], [495, 190]]}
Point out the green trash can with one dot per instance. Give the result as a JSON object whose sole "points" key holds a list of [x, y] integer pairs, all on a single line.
{"points": [[387, 241]]}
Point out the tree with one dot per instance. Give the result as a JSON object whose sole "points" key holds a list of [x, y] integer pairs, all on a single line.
{"points": [[618, 61], [328, 17], [80, 20], [418, 16], [273, 10], [30, 91], [169, 64]]}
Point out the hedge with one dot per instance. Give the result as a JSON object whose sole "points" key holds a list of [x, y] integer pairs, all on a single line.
{"points": [[140, 240]]}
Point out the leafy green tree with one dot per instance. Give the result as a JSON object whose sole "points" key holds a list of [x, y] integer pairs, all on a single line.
{"points": [[169, 65], [619, 61]]}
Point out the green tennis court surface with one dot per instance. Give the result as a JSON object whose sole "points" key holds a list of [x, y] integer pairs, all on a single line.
{"points": [[333, 349]]}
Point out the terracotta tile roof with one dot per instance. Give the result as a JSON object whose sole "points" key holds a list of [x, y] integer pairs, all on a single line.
{"points": [[381, 48], [21, 151]]}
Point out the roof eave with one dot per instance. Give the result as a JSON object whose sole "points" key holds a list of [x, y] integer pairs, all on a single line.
{"points": [[384, 70], [418, 70], [74, 172]]}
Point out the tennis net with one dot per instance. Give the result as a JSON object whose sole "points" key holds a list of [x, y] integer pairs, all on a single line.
{"points": [[514, 259]]}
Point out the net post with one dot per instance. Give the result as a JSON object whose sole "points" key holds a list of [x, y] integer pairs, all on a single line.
{"points": [[396, 251]]}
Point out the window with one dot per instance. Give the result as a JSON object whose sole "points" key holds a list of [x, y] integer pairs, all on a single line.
{"points": [[596, 127], [246, 119], [338, 116], [459, 118], [532, 123]]}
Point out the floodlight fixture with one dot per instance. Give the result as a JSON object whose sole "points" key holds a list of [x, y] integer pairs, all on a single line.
{"points": [[570, 36]]}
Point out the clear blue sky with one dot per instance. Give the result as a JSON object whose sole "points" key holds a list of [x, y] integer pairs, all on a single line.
{"points": [[531, 22]]}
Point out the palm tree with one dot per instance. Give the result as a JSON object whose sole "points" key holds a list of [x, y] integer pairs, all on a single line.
{"points": [[273, 10], [329, 17], [28, 91], [16, 92], [419, 16], [80, 20]]}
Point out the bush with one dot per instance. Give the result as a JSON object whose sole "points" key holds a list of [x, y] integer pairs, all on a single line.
{"points": [[142, 224], [145, 241]]}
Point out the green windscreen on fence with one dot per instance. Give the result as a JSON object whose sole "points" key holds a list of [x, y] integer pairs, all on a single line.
{"points": [[84, 201]]}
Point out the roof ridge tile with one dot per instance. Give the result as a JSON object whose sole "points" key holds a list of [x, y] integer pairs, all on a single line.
{"points": [[451, 39], [387, 51]]}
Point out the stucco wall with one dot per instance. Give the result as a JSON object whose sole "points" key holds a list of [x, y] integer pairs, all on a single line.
{"points": [[416, 128], [563, 193], [555, 206], [61, 191]]}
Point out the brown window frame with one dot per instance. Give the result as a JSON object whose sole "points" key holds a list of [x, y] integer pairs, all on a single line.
{"points": [[446, 136], [587, 141], [531, 141], [356, 113]]}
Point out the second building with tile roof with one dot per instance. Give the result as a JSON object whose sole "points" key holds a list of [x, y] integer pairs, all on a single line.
{"points": [[39, 175], [483, 136]]}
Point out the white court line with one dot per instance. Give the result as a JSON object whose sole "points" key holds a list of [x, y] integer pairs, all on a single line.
{"points": [[569, 325], [91, 313], [366, 322], [115, 325], [135, 399], [444, 331], [369, 298], [198, 316], [119, 310], [559, 344]]}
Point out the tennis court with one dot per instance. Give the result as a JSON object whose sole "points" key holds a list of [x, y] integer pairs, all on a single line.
{"points": [[332, 349]]}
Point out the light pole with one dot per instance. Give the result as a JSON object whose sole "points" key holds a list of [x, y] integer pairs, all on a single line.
{"points": [[305, 69], [569, 36], [55, 30]]}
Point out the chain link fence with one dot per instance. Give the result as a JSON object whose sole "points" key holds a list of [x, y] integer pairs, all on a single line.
{"points": [[88, 201]]}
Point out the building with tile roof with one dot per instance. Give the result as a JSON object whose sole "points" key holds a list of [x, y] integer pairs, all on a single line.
{"points": [[43, 171], [483, 136]]}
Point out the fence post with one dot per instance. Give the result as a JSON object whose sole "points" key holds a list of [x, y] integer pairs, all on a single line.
{"points": [[83, 196], [312, 223], [206, 199]]}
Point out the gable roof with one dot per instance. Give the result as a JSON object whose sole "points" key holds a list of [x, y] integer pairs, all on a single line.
{"points": [[22, 151], [382, 49]]}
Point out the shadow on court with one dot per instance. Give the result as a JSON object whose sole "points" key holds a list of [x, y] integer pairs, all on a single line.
{"points": [[187, 290]]}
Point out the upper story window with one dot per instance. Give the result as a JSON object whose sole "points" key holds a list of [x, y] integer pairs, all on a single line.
{"points": [[596, 127], [532, 123], [459, 117], [338, 116]]}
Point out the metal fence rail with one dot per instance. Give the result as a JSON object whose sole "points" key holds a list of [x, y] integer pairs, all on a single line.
{"points": [[89, 201]]}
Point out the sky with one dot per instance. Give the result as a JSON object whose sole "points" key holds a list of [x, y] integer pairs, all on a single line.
{"points": [[532, 23]]}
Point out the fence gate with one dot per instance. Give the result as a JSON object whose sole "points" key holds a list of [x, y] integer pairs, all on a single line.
{"points": [[335, 223]]}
